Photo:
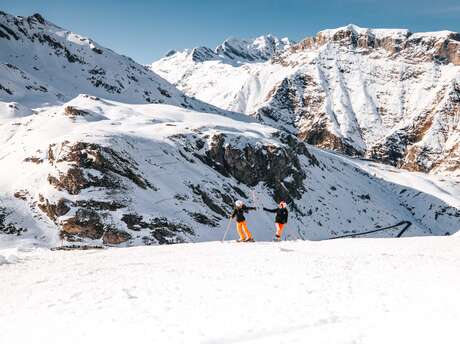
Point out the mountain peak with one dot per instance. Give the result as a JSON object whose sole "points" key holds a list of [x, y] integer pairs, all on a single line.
{"points": [[39, 18], [236, 50], [259, 49], [362, 31]]}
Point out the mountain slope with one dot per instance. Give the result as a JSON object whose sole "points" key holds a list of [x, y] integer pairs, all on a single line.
{"points": [[98, 171], [42, 64], [390, 95]]}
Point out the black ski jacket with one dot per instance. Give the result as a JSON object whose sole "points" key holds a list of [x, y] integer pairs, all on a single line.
{"points": [[281, 214], [239, 213]]}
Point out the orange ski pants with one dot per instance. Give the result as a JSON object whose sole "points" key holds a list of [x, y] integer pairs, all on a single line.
{"points": [[243, 230], [279, 229]]}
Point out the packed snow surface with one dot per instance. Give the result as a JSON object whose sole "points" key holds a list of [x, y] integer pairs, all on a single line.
{"points": [[340, 291]]}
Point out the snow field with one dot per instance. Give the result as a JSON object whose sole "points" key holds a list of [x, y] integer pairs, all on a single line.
{"points": [[342, 291]]}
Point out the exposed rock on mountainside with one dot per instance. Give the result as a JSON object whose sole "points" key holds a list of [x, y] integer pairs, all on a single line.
{"points": [[275, 166], [389, 95], [237, 51], [440, 47], [7, 227], [260, 49]]}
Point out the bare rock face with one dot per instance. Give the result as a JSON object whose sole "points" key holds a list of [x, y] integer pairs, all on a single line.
{"points": [[162, 230], [203, 54], [297, 104], [53, 211], [7, 226], [86, 218], [415, 145], [114, 171], [73, 181], [85, 224], [427, 47], [427, 143], [73, 112], [276, 166], [88, 156], [113, 237]]}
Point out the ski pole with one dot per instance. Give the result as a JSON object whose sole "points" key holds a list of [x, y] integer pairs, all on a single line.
{"points": [[227, 229]]}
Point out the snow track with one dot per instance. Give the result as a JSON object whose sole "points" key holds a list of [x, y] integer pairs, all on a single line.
{"points": [[340, 291]]}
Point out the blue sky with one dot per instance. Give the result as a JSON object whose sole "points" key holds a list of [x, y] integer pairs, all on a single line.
{"points": [[146, 30]]}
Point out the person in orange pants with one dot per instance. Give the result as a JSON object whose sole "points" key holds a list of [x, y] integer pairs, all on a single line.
{"points": [[281, 219], [241, 226]]}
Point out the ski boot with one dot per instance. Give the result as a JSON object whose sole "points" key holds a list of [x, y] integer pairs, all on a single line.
{"points": [[277, 238], [249, 240]]}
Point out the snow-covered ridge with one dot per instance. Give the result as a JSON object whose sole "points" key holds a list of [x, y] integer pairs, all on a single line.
{"points": [[378, 33], [260, 49], [42, 64], [237, 51], [440, 46]]}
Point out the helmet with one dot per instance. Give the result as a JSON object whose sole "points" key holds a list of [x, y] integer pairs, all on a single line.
{"points": [[282, 204], [239, 204]]}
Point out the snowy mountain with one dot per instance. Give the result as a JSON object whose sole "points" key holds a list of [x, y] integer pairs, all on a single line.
{"points": [[101, 171], [389, 95], [42, 64], [97, 149], [237, 51]]}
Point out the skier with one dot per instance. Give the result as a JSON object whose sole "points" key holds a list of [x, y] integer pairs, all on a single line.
{"points": [[241, 226], [281, 219]]}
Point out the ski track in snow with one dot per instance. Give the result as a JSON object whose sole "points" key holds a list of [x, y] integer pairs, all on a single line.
{"points": [[342, 291]]}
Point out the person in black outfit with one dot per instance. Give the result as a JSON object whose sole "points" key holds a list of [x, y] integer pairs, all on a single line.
{"points": [[281, 219], [241, 226]]}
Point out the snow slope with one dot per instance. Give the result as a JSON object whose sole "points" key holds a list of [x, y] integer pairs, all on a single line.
{"points": [[342, 291], [388, 94], [42, 64], [101, 171]]}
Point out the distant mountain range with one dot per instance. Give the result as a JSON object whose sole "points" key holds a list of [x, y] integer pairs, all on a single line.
{"points": [[385, 94]]}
